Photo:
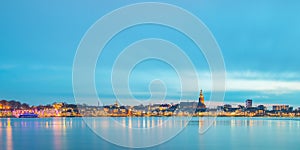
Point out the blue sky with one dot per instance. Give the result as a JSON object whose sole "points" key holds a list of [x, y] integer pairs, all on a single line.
{"points": [[258, 39]]}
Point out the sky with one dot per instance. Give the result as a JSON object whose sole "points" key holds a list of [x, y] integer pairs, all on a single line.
{"points": [[258, 39]]}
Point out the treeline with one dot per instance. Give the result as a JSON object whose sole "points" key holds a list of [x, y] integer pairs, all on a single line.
{"points": [[14, 104]]}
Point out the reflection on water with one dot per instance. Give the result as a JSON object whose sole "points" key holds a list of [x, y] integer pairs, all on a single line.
{"points": [[250, 122], [137, 131], [60, 133], [12, 129], [143, 122], [9, 138], [59, 128], [137, 122]]}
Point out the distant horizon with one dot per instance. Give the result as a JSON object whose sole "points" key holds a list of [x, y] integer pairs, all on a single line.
{"points": [[213, 104]]}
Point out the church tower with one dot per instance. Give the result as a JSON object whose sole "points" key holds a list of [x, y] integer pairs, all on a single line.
{"points": [[201, 97]]}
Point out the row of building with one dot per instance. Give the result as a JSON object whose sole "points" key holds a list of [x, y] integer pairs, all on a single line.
{"points": [[15, 109], [191, 109]]}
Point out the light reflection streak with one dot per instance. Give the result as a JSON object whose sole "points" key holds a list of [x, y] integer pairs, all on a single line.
{"points": [[260, 122], [232, 122], [269, 123], [152, 122], [9, 138], [1, 131], [130, 123], [251, 123], [70, 123], [200, 124], [130, 132], [58, 125], [138, 123], [238, 123], [160, 121], [148, 122], [47, 125], [123, 122], [144, 122], [58, 132], [105, 123]]}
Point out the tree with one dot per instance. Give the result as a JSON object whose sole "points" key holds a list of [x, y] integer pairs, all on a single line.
{"points": [[25, 106], [14, 104]]}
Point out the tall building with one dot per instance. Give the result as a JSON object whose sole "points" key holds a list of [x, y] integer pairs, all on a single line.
{"points": [[280, 107], [248, 103], [201, 97], [201, 100]]}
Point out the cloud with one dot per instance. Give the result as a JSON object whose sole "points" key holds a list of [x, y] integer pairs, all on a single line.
{"points": [[268, 86], [266, 82], [264, 75]]}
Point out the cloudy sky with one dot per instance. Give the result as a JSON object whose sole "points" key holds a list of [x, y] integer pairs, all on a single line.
{"points": [[259, 42]]}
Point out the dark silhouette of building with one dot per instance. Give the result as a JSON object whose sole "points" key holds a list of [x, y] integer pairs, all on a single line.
{"points": [[201, 100], [248, 103]]}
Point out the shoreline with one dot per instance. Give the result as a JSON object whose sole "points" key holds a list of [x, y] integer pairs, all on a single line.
{"points": [[154, 116]]}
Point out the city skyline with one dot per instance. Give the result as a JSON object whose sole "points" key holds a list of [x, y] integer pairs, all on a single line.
{"points": [[184, 108], [201, 103]]}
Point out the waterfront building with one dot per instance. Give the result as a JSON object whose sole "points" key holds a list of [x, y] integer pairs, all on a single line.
{"points": [[57, 106], [261, 107], [248, 103], [164, 106], [188, 105], [201, 100], [220, 108], [241, 107], [280, 107], [290, 109], [226, 106], [123, 110], [261, 110]]}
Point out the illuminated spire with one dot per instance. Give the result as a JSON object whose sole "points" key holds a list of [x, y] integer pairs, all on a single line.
{"points": [[201, 97]]}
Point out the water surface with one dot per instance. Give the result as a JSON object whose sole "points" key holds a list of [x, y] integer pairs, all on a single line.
{"points": [[225, 133]]}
